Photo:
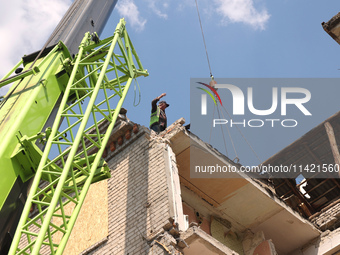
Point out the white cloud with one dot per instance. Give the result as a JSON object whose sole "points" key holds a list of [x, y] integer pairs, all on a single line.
{"points": [[242, 11], [27, 24], [153, 5], [232, 11], [129, 10]]}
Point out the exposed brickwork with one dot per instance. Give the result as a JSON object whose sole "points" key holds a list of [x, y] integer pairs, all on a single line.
{"points": [[138, 198], [329, 219]]}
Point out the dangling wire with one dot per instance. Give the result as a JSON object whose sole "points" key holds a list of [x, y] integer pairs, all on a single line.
{"points": [[139, 93], [205, 46], [211, 128], [225, 144], [212, 78], [245, 139], [231, 139]]}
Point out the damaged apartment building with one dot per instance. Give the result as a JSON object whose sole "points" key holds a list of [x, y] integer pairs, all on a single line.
{"points": [[151, 204]]}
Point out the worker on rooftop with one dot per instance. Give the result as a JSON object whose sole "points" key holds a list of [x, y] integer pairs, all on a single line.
{"points": [[158, 121]]}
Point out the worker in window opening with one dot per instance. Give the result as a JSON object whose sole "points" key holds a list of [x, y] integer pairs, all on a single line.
{"points": [[158, 121]]}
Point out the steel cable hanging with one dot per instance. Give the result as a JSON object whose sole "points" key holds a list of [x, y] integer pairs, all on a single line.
{"points": [[245, 139], [218, 112], [232, 142], [205, 46], [211, 126], [135, 93], [206, 52], [225, 144]]}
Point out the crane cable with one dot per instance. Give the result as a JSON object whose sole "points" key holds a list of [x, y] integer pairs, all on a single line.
{"points": [[224, 140], [135, 93], [236, 159], [212, 77], [232, 142], [205, 46], [243, 136]]}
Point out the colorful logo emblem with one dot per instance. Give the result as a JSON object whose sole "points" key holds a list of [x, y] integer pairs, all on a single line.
{"points": [[209, 93]]}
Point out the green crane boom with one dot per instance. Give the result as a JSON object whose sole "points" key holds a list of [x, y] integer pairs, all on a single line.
{"points": [[67, 157]]}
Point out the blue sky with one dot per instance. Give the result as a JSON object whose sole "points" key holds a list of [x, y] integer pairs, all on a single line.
{"points": [[245, 39], [251, 39], [290, 43]]}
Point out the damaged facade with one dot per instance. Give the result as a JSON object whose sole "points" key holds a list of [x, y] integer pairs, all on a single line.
{"points": [[150, 205]]}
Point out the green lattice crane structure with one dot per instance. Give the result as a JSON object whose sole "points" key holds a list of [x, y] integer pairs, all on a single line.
{"points": [[77, 95]]}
